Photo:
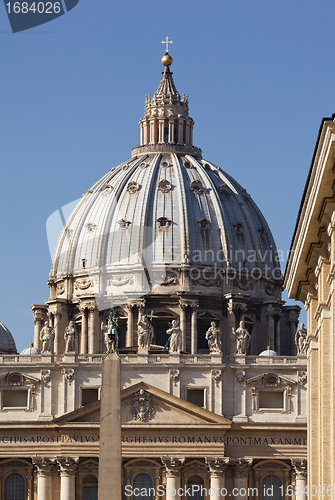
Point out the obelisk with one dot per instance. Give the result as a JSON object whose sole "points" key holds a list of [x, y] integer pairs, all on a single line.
{"points": [[110, 455]]}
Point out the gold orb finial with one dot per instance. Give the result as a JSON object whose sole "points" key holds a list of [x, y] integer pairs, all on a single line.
{"points": [[167, 59]]}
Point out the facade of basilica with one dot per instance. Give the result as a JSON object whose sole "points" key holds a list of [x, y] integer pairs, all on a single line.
{"points": [[213, 390]]}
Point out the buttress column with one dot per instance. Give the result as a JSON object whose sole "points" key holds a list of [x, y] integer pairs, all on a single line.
{"points": [[194, 327], [130, 324], [183, 306], [91, 327], [83, 335]]}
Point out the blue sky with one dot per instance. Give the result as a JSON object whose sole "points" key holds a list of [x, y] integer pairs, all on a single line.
{"points": [[260, 76]]}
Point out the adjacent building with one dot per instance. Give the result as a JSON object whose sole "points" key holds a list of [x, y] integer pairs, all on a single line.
{"points": [[310, 278]]}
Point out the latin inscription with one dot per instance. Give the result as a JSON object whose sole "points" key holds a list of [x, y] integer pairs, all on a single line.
{"points": [[152, 439]]}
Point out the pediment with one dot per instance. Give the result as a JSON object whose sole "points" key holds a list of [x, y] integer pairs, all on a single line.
{"points": [[157, 409], [271, 379], [16, 379]]}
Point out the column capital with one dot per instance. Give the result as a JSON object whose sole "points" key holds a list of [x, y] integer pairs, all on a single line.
{"points": [[91, 306], [183, 303], [299, 468], [82, 306], [67, 465], [130, 306], [216, 466], [172, 465], [43, 465], [241, 466], [194, 305]]}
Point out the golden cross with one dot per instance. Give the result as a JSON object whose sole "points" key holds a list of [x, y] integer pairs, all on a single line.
{"points": [[167, 41]]}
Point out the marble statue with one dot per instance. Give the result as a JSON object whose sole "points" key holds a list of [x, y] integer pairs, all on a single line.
{"points": [[242, 339], [213, 337], [47, 336], [300, 337], [144, 331], [70, 337], [175, 337]]}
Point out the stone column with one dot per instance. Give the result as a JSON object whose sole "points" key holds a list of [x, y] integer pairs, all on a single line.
{"points": [[130, 325], [145, 132], [152, 131], [183, 306], [194, 328], [271, 326], [37, 330], [171, 130], [57, 341], [300, 474], [231, 347], [83, 335], [216, 467], [191, 133], [67, 467], [91, 325], [180, 130], [241, 473], [161, 130], [141, 132], [43, 466], [173, 468], [187, 134]]}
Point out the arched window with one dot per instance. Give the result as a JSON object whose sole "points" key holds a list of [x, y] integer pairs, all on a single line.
{"points": [[144, 484], [196, 484], [90, 488], [15, 487], [271, 488]]}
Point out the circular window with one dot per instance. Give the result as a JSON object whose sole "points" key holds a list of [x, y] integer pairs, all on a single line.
{"points": [[187, 164]]}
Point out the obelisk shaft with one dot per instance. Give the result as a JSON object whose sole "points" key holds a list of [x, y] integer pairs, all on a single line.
{"points": [[110, 455]]}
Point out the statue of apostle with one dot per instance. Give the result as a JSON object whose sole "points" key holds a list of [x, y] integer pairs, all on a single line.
{"points": [[300, 338], [175, 337], [242, 339], [144, 331], [70, 337], [213, 337], [47, 335]]}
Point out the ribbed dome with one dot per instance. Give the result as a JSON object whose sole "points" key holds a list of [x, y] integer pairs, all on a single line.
{"points": [[208, 216], [7, 343], [165, 208]]}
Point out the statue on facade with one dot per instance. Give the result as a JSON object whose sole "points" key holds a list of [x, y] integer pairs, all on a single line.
{"points": [[144, 331], [70, 337], [242, 339], [300, 338], [175, 337], [47, 335], [213, 337], [110, 330]]}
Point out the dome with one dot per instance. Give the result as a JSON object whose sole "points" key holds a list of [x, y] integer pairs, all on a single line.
{"points": [[7, 343], [268, 352], [31, 350], [172, 235], [163, 208]]}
